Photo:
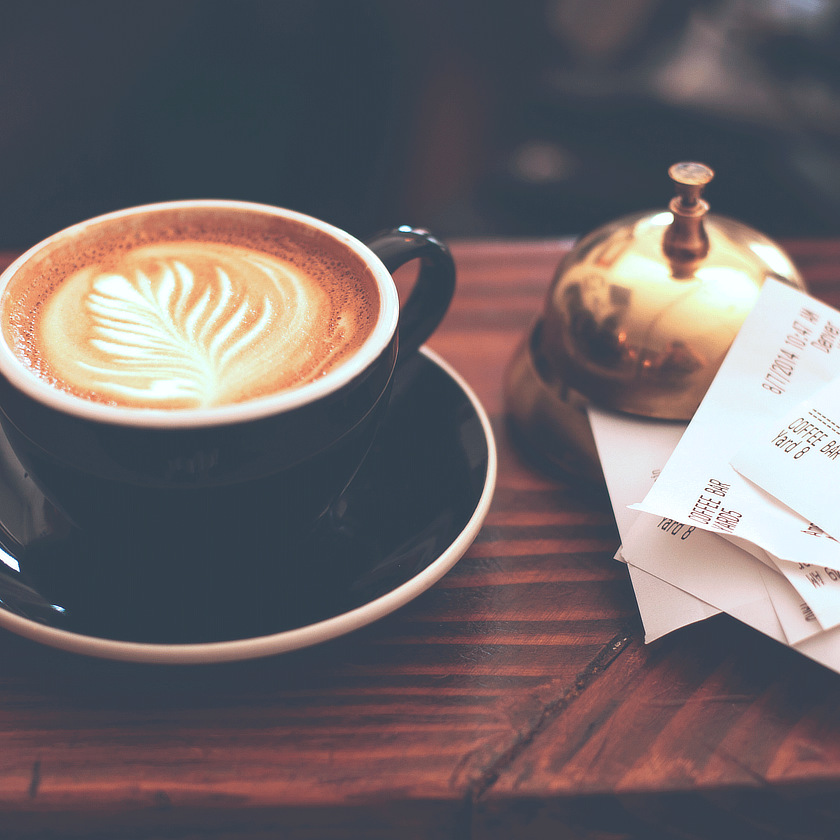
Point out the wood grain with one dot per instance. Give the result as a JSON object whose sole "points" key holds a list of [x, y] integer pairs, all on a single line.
{"points": [[513, 699]]}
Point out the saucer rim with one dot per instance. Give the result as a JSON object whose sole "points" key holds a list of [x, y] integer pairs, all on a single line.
{"points": [[285, 641]]}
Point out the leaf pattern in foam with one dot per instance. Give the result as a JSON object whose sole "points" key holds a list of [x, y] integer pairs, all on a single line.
{"points": [[164, 340]]}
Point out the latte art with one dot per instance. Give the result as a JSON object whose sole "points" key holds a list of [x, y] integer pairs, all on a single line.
{"points": [[192, 324], [161, 348], [158, 341]]}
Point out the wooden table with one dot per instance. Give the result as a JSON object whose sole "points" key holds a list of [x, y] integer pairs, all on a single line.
{"points": [[515, 699]]}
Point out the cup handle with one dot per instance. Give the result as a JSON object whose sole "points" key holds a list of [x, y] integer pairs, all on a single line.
{"points": [[433, 288]]}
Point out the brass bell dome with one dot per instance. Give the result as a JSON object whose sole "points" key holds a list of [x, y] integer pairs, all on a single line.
{"points": [[638, 319]]}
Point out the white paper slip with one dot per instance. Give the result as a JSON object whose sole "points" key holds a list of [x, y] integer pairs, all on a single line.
{"points": [[796, 458], [664, 607], [823, 648], [718, 572], [795, 615], [632, 451], [817, 586], [787, 593], [778, 359], [708, 567]]}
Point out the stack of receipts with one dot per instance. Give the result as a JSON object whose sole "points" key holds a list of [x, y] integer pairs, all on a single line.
{"points": [[739, 510]]}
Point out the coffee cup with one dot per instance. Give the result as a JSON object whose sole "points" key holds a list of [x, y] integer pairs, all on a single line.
{"points": [[177, 375]]}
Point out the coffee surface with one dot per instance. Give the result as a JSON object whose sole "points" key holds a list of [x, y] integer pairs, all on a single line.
{"points": [[189, 323]]}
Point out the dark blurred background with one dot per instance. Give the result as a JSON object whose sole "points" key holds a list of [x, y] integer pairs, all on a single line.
{"points": [[472, 117]]}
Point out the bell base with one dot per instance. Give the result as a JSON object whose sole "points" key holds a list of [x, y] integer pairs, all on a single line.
{"points": [[550, 422]]}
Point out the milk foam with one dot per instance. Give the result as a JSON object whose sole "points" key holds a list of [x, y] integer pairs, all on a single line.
{"points": [[189, 324]]}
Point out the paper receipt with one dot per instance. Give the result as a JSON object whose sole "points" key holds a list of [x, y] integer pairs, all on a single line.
{"points": [[796, 457], [787, 349]]}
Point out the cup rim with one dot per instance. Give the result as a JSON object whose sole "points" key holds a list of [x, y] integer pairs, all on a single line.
{"points": [[258, 408]]}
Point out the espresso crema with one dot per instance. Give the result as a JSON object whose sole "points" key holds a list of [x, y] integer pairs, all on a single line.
{"points": [[186, 323]]}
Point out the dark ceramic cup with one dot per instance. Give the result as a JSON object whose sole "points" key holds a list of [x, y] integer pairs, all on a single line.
{"points": [[163, 490]]}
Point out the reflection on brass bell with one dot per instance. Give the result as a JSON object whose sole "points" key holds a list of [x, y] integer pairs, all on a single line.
{"points": [[638, 319]]}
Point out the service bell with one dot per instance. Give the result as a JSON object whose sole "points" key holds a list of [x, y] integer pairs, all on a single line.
{"points": [[638, 319]]}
